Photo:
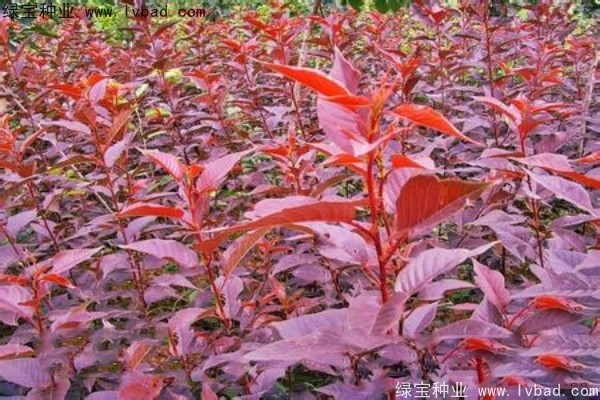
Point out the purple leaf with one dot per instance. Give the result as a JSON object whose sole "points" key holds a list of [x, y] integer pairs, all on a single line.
{"points": [[306, 324], [565, 189], [547, 319], [426, 266], [71, 125], [114, 152], [344, 72], [67, 259], [419, 319], [18, 221], [492, 284], [471, 328], [166, 249], [26, 372], [436, 290], [214, 173], [389, 313], [104, 395], [310, 346], [10, 308]]}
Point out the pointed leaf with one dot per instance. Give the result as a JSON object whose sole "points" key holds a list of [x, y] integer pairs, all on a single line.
{"points": [[429, 118], [119, 122], [59, 280], [150, 209], [344, 72], [137, 386], [114, 152], [238, 249], [312, 78], [594, 183], [590, 158], [565, 189], [472, 328], [402, 161]]}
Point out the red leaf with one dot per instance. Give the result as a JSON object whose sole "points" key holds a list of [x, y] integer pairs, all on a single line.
{"points": [[137, 386], [14, 280], [402, 161], [578, 177], [8, 165], [59, 280], [149, 209], [429, 118], [68, 89], [349, 101], [425, 201], [551, 361], [590, 158], [312, 78], [477, 344], [323, 211], [136, 353], [119, 122], [238, 250], [547, 302], [168, 162]]}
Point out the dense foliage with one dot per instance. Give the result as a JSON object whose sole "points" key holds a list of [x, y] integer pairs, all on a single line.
{"points": [[272, 205]]}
